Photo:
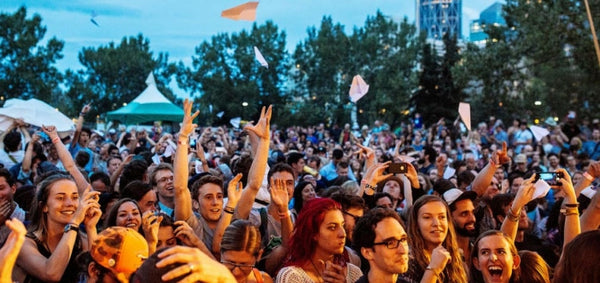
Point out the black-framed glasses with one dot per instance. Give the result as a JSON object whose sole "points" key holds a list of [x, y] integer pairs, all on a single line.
{"points": [[392, 243], [165, 179], [356, 217], [245, 268]]}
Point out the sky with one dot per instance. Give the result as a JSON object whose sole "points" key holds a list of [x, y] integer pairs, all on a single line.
{"points": [[178, 26]]}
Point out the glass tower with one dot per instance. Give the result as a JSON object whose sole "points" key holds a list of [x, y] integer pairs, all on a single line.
{"points": [[438, 17]]}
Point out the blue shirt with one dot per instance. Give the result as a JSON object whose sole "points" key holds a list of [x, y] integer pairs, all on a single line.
{"points": [[328, 172]]}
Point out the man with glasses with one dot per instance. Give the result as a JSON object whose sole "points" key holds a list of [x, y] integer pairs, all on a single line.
{"points": [[161, 180], [382, 241]]}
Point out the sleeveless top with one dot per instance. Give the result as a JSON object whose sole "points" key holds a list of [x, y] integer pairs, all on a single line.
{"points": [[257, 275], [71, 273]]}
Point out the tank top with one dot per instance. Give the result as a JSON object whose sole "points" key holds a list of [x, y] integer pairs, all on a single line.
{"points": [[71, 273]]}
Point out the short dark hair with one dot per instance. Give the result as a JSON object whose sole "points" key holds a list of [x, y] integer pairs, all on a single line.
{"points": [[380, 195], [363, 235], [134, 170], [294, 157], [349, 201], [337, 154], [465, 177], [136, 190], [6, 174], [342, 164], [499, 202], [12, 141], [100, 176], [82, 158], [206, 179], [280, 167]]}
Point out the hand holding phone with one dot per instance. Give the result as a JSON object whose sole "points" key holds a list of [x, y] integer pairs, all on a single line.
{"points": [[398, 168], [552, 178]]}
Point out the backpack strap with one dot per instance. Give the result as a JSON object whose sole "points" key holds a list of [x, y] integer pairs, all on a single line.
{"points": [[264, 221]]}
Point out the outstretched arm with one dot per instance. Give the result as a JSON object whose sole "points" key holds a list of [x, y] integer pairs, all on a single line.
{"points": [[484, 178], [259, 163], [572, 226], [79, 126], [234, 191], [183, 198], [524, 195], [66, 158]]}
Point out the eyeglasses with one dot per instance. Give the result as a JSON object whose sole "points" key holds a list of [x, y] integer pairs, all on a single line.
{"points": [[246, 268], [164, 179], [356, 217], [392, 243]]}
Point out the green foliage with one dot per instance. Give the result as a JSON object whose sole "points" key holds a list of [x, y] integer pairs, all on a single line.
{"points": [[116, 74], [225, 74], [545, 54], [26, 67]]}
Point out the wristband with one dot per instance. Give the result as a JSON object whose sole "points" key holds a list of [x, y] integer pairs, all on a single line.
{"points": [[572, 205], [55, 140], [569, 211], [371, 189], [228, 209], [81, 114], [514, 217], [588, 176], [182, 142], [284, 215]]}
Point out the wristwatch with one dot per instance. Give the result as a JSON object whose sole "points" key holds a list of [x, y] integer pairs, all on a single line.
{"points": [[72, 227]]}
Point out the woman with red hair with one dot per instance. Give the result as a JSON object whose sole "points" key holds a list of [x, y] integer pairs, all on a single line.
{"points": [[316, 246]]}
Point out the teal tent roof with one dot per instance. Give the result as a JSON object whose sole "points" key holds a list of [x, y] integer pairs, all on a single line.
{"points": [[149, 106]]}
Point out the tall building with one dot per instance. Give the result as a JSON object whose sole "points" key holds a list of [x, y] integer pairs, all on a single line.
{"points": [[492, 15], [438, 17]]}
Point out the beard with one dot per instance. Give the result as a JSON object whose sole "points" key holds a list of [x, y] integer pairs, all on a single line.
{"points": [[465, 232]]}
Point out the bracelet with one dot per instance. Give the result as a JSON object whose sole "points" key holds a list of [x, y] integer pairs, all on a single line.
{"points": [[228, 209], [284, 215], [371, 189], [55, 140], [572, 205], [431, 269], [81, 114], [514, 217], [569, 211], [588, 176], [182, 142]]}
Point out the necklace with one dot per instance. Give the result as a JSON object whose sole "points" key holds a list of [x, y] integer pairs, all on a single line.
{"points": [[316, 269]]}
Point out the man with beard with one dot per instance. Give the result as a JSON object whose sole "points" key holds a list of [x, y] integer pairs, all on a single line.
{"points": [[382, 241], [463, 217]]}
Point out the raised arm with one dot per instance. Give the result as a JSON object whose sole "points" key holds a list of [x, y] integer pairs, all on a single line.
{"points": [[79, 125], [524, 195], [115, 175], [10, 250], [571, 208], [67, 159], [590, 175], [590, 219], [484, 178], [183, 198], [259, 163], [234, 191], [26, 164]]}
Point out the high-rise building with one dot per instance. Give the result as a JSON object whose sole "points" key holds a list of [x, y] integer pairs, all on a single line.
{"points": [[492, 15], [438, 17]]}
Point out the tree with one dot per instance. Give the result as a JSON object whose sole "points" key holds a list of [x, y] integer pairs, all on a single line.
{"points": [[26, 67], [116, 74], [225, 74]]}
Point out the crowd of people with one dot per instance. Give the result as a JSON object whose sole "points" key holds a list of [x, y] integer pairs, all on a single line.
{"points": [[302, 204]]}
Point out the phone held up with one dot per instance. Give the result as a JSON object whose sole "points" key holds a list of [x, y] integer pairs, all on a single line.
{"points": [[552, 178], [398, 168]]}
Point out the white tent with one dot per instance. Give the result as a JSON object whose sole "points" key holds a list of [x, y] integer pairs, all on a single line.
{"points": [[149, 106], [34, 112]]}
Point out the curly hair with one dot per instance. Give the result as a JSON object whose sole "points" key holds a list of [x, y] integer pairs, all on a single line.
{"points": [[302, 243], [454, 271]]}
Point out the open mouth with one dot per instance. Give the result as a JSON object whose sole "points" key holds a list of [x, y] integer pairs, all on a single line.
{"points": [[68, 212], [131, 225], [495, 271], [215, 210]]}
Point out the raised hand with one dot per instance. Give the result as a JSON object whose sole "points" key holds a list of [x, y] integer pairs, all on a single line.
{"points": [[234, 190], [439, 258], [194, 265], [86, 108], [262, 127], [334, 273], [279, 194], [525, 193], [11, 248], [187, 126], [87, 202], [150, 225], [50, 131], [186, 234]]}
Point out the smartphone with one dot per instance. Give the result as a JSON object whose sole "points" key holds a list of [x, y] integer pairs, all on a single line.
{"points": [[339, 260], [552, 178], [192, 141], [398, 168]]}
